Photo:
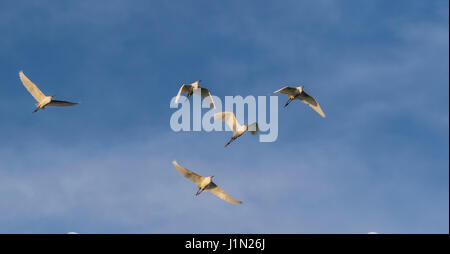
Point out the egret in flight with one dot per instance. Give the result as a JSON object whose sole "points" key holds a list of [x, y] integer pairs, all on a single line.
{"points": [[238, 130], [189, 89], [42, 100], [299, 94], [205, 184]]}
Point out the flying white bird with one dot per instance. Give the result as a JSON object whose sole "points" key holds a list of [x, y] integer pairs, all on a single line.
{"points": [[205, 184], [42, 100], [298, 93], [189, 89], [238, 130]]}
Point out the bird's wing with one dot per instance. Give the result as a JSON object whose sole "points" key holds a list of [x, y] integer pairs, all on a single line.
{"points": [[31, 87], [216, 190], [183, 89], [253, 128], [287, 90], [229, 119], [307, 99], [207, 96], [56, 103], [197, 179]]}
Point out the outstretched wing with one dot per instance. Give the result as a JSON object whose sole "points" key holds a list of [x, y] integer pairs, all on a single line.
{"points": [[216, 190], [183, 89], [307, 99], [31, 87], [287, 90], [56, 103], [197, 179], [229, 119], [206, 95]]}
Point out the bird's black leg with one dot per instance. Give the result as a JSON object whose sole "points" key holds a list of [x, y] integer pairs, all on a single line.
{"points": [[34, 111], [229, 142], [198, 192], [287, 103]]}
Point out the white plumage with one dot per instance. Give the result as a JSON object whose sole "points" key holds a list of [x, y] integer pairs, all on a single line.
{"points": [[299, 94], [205, 184], [230, 119], [189, 90], [42, 100]]}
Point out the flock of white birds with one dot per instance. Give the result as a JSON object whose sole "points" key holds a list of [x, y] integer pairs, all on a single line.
{"points": [[203, 183]]}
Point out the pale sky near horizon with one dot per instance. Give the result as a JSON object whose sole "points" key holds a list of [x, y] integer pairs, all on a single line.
{"points": [[377, 163]]}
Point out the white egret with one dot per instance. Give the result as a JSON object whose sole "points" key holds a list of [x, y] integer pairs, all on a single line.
{"points": [[42, 100], [230, 119], [189, 89], [205, 184], [299, 94]]}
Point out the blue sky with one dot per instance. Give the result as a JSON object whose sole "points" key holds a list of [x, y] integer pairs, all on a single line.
{"points": [[378, 162]]}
